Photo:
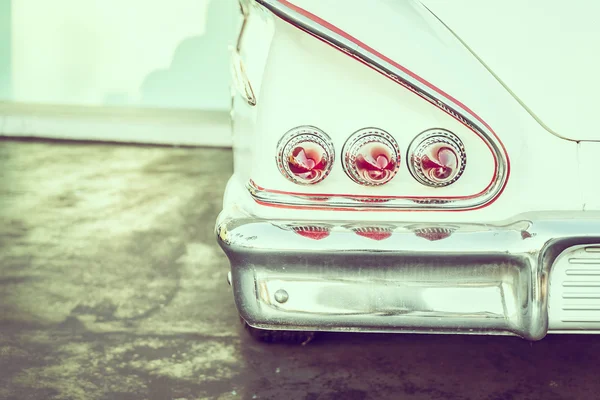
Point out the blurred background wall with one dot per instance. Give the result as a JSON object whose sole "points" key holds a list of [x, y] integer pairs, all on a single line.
{"points": [[135, 70]]}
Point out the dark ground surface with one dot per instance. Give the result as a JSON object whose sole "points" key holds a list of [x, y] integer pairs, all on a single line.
{"points": [[112, 287]]}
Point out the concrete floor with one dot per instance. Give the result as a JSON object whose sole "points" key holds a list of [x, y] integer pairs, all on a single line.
{"points": [[112, 287]]}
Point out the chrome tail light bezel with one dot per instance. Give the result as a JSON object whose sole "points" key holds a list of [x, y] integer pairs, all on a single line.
{"points": [[297, 136], [423, 143], [366, 137]]}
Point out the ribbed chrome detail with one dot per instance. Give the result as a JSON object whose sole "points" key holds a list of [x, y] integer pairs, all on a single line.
{"points": [[373, 232], [424, 158], [371, 157], [574, 291], [315, 232], [315, 157], [433, 233]]}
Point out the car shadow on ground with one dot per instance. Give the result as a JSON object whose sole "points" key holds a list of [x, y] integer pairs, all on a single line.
{"points": [[410, 366]]}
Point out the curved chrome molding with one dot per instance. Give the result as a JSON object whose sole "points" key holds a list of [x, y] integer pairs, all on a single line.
{"points": [[240, 78], [387, 67]]}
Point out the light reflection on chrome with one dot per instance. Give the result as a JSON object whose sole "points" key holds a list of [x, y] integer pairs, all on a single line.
{"points": [[434, 234], [309, 230], [374, 232], [426, 277], [371, 199]]}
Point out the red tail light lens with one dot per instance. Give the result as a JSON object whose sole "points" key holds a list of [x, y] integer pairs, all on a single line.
{"points": [[371, 157], [437, 158], [305, 155]]}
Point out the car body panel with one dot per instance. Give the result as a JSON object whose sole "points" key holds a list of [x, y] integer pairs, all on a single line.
{"points": [[544, 51], [303, 86], [588, 174], [495, 261]]}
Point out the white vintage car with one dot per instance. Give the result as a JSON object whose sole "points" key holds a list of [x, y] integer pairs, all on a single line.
{"points": [[415, 166]]}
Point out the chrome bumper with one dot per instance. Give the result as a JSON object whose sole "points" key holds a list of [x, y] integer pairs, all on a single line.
{"points": [[407, 277]]}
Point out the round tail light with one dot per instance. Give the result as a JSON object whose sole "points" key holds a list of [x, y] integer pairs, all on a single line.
{"points": [[305, 155], [371, 157], [437, 158]]}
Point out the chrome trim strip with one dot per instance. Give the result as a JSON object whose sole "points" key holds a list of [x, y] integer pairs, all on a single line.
{"points": [[240, 78], [238, 70], [402, 77], [245, 11], [401, 277]]}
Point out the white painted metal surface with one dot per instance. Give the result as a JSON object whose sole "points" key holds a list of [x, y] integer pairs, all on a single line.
{"points": [[545, 51], [337, 94], [574, 290], [307, 82], [326, 67], [588, 174]]}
